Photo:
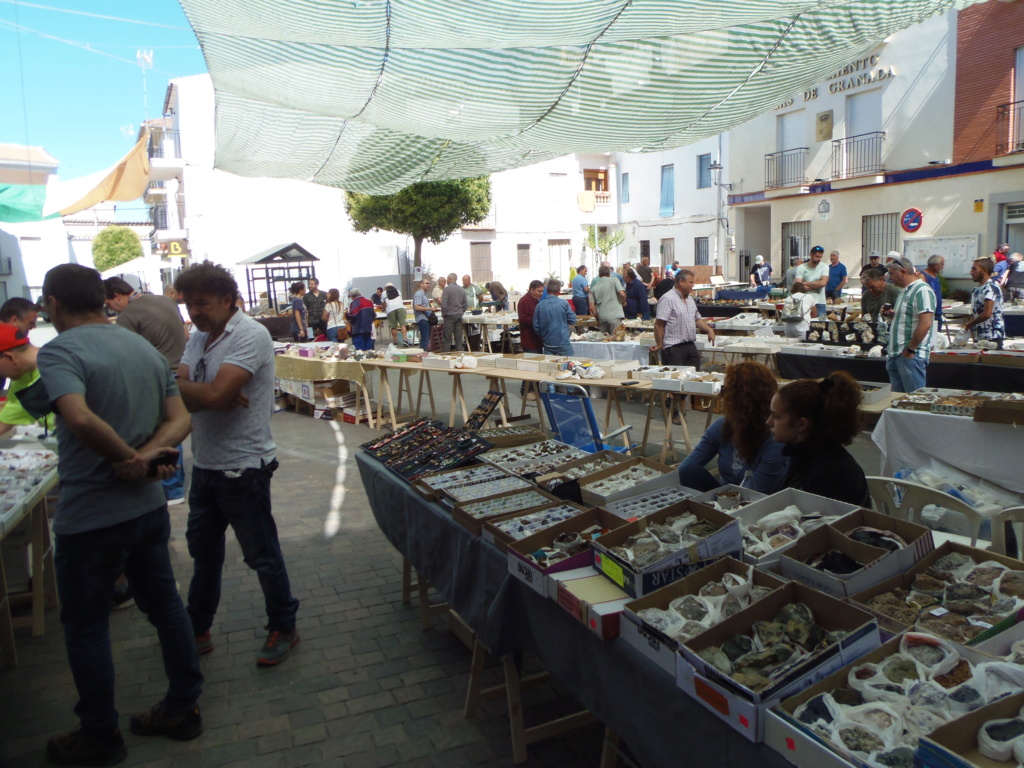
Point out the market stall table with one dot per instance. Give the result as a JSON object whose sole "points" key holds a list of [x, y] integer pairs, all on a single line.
{"points": [[612, 350], [312, 369], [909, 439], [661, 725], [750, 296], [976, 376], [1013, 317]]}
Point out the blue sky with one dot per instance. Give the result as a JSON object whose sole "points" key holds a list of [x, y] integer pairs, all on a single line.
{"points": [[73, 102]]}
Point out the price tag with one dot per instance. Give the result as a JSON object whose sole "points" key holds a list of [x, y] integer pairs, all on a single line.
{"points": [[613, 571], [938, 611]]}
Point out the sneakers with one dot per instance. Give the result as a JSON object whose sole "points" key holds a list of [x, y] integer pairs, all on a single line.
{"points": [[183, 726], [80, 747], [276, 648], [204, 643], [175, 502], [123, 598]]}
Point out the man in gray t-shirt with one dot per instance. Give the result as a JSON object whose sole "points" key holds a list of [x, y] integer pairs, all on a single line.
{"points": [[118, 413], [226, 378]]}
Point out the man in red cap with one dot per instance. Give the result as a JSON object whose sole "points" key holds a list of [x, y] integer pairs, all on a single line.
{"points": [[18, 363]]}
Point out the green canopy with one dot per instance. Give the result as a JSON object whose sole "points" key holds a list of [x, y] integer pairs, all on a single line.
{"points": [[23, 202], [372, 95]]}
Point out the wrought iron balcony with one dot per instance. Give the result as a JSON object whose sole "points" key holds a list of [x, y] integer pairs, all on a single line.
{"points": [[859, 155], [1010, 128], [785, 169], [164, 144]]}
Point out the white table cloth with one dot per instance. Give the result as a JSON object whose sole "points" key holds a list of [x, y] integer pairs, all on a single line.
{"points": [[612, 350]]}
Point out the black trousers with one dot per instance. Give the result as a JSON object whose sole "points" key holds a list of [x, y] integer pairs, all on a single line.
{"points": [[681, 354]]}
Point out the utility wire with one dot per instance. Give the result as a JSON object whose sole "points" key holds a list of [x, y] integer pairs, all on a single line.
{"points": [[94, 15]]}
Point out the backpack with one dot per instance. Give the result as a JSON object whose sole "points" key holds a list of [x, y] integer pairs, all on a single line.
{"points": [[793, 308]]}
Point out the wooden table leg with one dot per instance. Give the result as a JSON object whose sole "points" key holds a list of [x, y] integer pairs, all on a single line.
{"points": [[40, 547], [618, 410], [406, 582], [609, 749], [366, 406], [498, 385], [667, 409], [476, 672], [534, 386], [647, 426], [515, 710]]}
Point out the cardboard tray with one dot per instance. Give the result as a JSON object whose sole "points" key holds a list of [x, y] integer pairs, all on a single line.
{"points": [[475, 524], [514, 440], [746, 494], [876, 565], [920, 542], [1008, 359], [905, 579], [641, 581], [654, 644], [537, 578], [668, 478], [955, 744], [805, 502], [804, 748], [507, 361], [559, 471], [502, 541], [742, 709], [591, 599], [424, 489], [1000, 412]]}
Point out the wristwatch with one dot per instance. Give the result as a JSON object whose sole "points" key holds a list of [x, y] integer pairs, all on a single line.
{"points": [[911, 350]]}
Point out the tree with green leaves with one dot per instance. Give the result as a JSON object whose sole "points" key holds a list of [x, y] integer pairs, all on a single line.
{"points": [[114, 246], [602, 244], [426, 210]]}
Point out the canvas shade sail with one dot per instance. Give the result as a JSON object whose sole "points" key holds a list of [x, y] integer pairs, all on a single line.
{"points": [[373, 95], [125, 180]]}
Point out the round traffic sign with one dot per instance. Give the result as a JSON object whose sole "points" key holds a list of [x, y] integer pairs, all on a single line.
{"points": [[911, 219]]}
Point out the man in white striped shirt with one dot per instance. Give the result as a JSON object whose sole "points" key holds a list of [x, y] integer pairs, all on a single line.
{"points": [[910, 340], [676, 324]]}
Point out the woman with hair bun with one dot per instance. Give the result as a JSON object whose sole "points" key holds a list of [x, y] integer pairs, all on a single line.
{"points": [[815, 420], [747, 454]]}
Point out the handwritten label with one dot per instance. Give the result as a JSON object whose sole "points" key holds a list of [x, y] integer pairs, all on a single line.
{"points": [[613, 571], [526, 572]]}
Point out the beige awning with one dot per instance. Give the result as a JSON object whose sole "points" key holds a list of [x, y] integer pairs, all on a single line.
{"points": [[125, 180]]}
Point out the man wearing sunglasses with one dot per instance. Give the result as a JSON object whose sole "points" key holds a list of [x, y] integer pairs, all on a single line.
{"points": [[226, 378]]}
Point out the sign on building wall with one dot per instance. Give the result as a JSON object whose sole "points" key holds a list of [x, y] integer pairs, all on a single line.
{"points": [[823, 126], [178, 248]]}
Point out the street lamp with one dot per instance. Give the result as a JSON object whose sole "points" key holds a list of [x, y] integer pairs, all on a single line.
{"points": [[716, 178]]}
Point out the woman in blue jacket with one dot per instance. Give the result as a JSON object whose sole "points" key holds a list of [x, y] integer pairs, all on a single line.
{"points": [[636, 298], [740, 439]]}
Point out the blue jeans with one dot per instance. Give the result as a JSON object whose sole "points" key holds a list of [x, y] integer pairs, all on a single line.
{"points": [[362, 341], [174, 486], [822, 310], [424, 326], [87, 565], [580, 305], [332, 332], [561, 351], [906, 374], [216, 501]]}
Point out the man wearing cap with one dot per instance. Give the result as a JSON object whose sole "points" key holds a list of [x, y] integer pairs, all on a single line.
{"points": [[814, 275], [910, 340], [874, 262], [27, 400], [760, 273]]}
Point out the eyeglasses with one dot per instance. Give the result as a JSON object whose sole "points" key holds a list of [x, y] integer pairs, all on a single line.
{"points": [[199, 373]]}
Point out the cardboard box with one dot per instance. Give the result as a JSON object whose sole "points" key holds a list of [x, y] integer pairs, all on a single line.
{"points": [[507, 361], [804, 748], [435, 361], [955, 744], [665, 383], [561, 470], [806, 502], [904, 580], [920, 542], [874, 392], [704, 387], [747, 495], [495, 438], [530, 362], [668, 478], [657, 646], [327, 390], [623, 369], [648, 503], [502, 540], [953, 356], [425, 487], [1000, 412], [876, 566], [537, 578], [744, 710], [475, 524], [655, 371], [591, 599], [640, 581]]}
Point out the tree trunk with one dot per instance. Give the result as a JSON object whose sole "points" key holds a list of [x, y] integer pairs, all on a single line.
{"points": [[417, 261]]}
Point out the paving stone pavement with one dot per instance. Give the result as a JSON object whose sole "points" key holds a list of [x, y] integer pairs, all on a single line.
{"points": [[364, 688]]}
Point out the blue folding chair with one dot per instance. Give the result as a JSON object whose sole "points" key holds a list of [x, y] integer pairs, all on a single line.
{"points": [[571, 416]]}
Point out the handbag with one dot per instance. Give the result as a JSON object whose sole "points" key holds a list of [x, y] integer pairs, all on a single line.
{"points": [[432, 318]]}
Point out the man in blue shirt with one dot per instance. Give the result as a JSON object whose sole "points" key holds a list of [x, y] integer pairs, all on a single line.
{"points": [[581, 291], [837, 278], [551, 321]]}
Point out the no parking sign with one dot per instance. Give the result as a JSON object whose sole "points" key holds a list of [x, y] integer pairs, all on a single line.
{"points": [[911, 219]]}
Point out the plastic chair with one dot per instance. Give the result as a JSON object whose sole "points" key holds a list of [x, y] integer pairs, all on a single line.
{"points": [[904, 500], [1008, 515], [571, 416]]}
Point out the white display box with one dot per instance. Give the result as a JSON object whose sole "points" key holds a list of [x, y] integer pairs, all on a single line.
{"points": [[444, 363], [507, 361], [704, 387], [747, 496], [807, 503], [530, 363], [655, 371], [668, 478]]}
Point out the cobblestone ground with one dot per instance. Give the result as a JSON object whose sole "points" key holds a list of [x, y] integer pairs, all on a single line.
{"points": [[364, 687]]}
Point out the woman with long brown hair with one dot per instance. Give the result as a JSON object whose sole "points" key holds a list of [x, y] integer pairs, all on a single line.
{"points": [[747, 454], [334, 314], [815, 420]]}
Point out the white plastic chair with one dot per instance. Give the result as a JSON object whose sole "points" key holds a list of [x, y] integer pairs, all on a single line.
{"points": [[1009, 515], [914, 497]]}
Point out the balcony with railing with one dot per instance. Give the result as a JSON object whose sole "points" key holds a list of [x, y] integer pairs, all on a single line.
{"points": [[168, 222], [859, 155], [156, 191], [1010, 128], [165, 161], [785, 169]]}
